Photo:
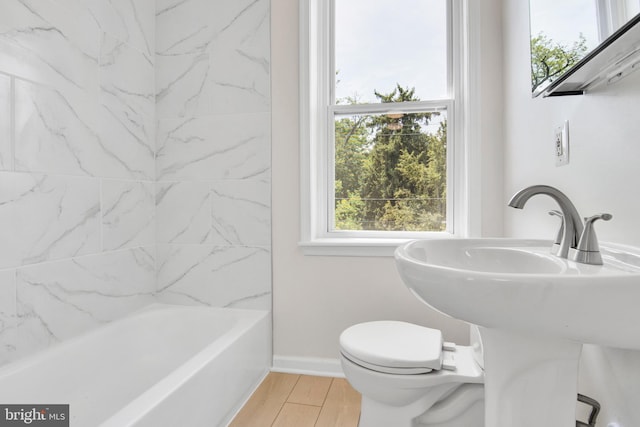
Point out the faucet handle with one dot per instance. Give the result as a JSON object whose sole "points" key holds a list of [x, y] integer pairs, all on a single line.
{"points": [[603, 216], [555, 249], [588, 251]]}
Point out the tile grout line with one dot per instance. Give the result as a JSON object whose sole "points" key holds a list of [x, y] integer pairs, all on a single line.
{"points": [[304, 404], [292, 388], [317, 407], [286, 400], [326, 396], [278, 414], [324, 401]]}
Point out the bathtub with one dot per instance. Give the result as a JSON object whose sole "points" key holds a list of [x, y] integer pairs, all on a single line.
{"points": [[165, 365]]}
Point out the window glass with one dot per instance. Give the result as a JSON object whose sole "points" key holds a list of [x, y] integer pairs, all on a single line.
{"points": [[389, 163], [390, 171], [380, 44]]}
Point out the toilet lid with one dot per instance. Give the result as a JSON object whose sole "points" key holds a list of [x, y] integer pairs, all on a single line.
{"points": [[393, 346]]}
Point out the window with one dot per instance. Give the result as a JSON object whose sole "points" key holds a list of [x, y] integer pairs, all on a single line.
{"points": [[380, 97]]}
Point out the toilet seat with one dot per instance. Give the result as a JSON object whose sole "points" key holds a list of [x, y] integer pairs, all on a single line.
{"points": [[393, 347]]}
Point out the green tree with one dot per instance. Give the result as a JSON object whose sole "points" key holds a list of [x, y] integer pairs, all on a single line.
{"points": [[348, 214], [395, 183], [424, 208], [351, 146], [389, 173], [549, 59]]}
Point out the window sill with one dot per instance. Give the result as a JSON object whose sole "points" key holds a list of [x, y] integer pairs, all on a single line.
{"points": [[364, 247]]}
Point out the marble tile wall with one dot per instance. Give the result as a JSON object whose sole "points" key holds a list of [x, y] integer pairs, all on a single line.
{"points": [[134, 161], [213, 165], [77, 167]]}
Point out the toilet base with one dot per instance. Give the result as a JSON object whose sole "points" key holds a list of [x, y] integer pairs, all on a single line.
{"points": [[462, 407], [473, 417], [377, 414]]}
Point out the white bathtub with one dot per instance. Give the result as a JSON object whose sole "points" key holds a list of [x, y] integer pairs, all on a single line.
{"points": [[163, 366]]}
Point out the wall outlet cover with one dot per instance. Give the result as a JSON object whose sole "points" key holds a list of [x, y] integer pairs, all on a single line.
{"points": [[561, 144]]}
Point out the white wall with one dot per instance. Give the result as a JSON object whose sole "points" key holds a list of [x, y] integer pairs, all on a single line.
{"points": [[602, 177], [315, 298]]}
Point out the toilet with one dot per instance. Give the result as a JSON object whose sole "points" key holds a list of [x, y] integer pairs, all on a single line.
{"points": [[409, 377]]}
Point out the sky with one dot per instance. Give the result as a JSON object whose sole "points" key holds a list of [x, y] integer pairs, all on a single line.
{"points": [[380, 43], [373, 54], [565, 20]]}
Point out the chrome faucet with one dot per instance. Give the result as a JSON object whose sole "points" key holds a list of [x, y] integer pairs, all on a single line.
{"points": [[588, 251], [572, 223], [575, 240]]}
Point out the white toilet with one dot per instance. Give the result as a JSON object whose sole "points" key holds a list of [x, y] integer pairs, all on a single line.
{"points": [[409, 377]]}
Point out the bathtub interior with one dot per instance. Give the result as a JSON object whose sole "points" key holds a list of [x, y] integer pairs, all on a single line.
{"points": [[143, 360]]}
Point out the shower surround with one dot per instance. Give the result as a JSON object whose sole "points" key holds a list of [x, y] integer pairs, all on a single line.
{"points": [[213, 164], [134, 161]]}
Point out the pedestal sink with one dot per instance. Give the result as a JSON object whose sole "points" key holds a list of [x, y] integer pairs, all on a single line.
{"points": [[535, 311]]}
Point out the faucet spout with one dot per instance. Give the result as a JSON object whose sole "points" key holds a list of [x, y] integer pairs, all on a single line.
{"points": [[573, 226]]}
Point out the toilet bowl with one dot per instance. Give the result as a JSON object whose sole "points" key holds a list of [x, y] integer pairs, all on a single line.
{"points": [[409, 377]]}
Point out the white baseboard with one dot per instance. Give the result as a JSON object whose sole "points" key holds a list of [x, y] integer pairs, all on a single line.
{"points": [[308, 366]]}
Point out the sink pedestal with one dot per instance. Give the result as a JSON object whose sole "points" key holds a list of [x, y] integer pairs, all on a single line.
{"points": [[529, 381]]}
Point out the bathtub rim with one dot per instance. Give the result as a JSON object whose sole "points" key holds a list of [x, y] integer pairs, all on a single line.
{"points": [[22, 363]]}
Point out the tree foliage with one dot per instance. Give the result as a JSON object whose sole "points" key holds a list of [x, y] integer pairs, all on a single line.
{"points": [[390, 174], [550, 59]]}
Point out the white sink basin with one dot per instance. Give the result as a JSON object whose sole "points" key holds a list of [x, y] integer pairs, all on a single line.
{"points": [[517, 285]]}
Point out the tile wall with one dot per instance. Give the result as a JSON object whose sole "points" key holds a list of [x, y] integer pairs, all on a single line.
{"points": [[92, 226], [213, 152], [77, 132]]}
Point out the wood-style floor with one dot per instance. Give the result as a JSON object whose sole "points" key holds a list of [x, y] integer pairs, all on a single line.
{"points": [[289, 400]]}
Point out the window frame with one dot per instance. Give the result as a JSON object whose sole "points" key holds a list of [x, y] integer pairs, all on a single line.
{"points": [[316, 145]]}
